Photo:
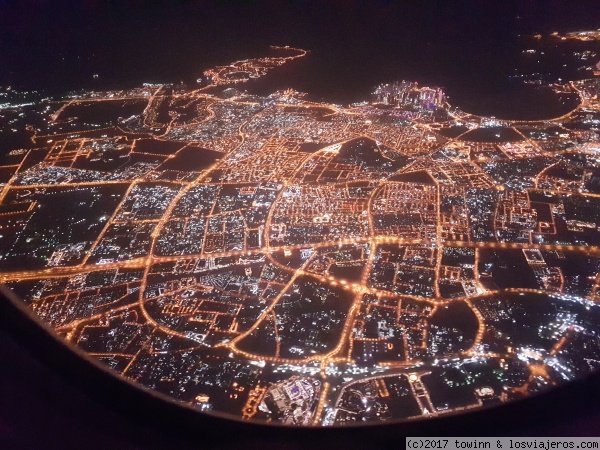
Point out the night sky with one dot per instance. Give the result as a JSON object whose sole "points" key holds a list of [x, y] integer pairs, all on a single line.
{"points": [[468, 47]]}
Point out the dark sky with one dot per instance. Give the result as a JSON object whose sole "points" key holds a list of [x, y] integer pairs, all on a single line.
{"points": [[468, 47]]}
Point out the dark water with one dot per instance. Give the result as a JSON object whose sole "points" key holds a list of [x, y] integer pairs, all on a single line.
{"points": [[470, 48]]}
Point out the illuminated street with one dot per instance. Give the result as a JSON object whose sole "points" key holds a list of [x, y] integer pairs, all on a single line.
{"points": [[280, 259]]}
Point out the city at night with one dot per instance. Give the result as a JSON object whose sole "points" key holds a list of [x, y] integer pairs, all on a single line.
{"points": [[292, 232]]}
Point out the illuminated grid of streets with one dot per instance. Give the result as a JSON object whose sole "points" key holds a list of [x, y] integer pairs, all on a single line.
{"points": [[277, 259]]}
